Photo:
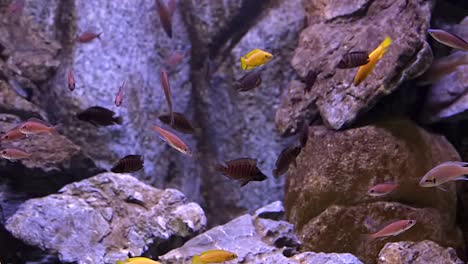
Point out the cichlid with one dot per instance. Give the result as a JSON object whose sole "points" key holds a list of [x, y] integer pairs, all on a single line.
{"points": [[249, 81], [255, 58], [181, 123], [243, 169], [167, 93], [393, 229], [71, 80], [173, 140], [382, 189], [287, 157], [165, 16], [353, 59], [36, 126], [448, 39], [137, 260], [129, 163], [445, 172], [99, 116], [374, 58], [213, 256], [13, 154], [88, 37], [12, 135], [120, 95]]}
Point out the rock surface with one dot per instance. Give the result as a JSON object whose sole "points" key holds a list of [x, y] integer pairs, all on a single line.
{"points": [[417, 253], [337, 27], [105, 218], [327, 199], [254, 240]]}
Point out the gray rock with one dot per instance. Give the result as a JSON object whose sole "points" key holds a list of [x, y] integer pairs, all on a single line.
{"points": [[273, 211], [327, 258], [93, 221], [335, 28], [424, 252]]}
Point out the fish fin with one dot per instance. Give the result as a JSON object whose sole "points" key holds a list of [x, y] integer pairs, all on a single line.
{"points": [[243, 64], [120, 262], [99, 35], [119, 120], [196, 260], [252, 53], [462, 178], [441, 188], [244, 182], [53, 130], [34, 119]]}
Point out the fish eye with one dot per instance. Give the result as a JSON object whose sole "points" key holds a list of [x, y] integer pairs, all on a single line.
{"points": [[411, 222], [6, 137], [372, 191], [4, 152]]}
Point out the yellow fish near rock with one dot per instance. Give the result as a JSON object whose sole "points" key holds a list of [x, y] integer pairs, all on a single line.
{"points": [[255, 58], [213, 256], [374, 57], [138, 260]]}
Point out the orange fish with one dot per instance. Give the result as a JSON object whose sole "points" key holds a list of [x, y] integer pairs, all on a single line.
{"points": [[173, 140], [13, 154], [88, 37], [392, 229], [71, 80], [165, 16], [374, 58], [36, 126], [120, 95], [12, 135], [382, 189], [445, 172], [167, 93]]}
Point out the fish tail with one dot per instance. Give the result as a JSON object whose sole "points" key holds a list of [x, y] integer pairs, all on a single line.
{"points": [[221, 168], [119, 120], [99, 35], [196, 260], [53, 130], [366, 238], [243, 63], [244, 182]]}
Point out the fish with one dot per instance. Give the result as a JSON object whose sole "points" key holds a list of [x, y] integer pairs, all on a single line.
{"points": [[243, 169], [71, 80], [304, 134], [382, 189], [310, 79], [138, 260], [249, 81], [36, 126], [173, 140], [255, 58], [88, 37], [181, 123], [287, 156], [174, 59], [167, 93], [213, 256], [99, 116], [165, 16], [443, 66], [393, 229], [448, 39], [445, 172], [13, 134], [374, 58], [129, 163], [353, 59], [13, 154], [171, 7], [120, 95]]}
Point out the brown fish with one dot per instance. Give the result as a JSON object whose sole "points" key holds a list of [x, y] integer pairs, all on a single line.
{"points": [[243, 169], [448, 39], [120, 95], [71, 80], [392, 229], [173, 140], [88, 37], [36, 126], [382, 189], [353, 59], [445, 172], [167, 93], [171, 6], [249, 81], [165, 16], [13, 154], [129, 163], [181, 123], [286, 157], [12, 135], [310, 79], [99, 116], [304, 134]]}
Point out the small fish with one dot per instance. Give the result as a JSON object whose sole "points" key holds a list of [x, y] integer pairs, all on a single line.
{"points": [[167, 93], [249, 81], [174, 59], [181, 123], [13, 154], [353, 59], [88, 37], [286, 157], [448, 39], [443, 66], [213, 256], [382, 189], [99, 116], [71, 80], [255, 58], [304, 134], [310, 79], [13, 135], [120, 95], [393, 229], [243, 169], [374, 58], [165, 16], [129, 163], [445, 172], [138, 260], [36, 126], [173, 140]]}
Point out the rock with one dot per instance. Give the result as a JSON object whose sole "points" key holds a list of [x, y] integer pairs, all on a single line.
{"points": [[326, 196], [105, 218], [274, 211], [335, 258], [335, 28], [417, 253]]}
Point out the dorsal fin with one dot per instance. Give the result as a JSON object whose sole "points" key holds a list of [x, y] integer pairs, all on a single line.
{"points": [[252, 53], [33, 119]]}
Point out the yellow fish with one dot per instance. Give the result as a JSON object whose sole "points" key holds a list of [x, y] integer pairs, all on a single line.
{"points": [[255, 58], [374, 57], [213, 256], [138, 260]]}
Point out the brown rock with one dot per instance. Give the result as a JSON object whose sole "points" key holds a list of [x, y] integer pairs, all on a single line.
{"points": [[336, 169], [335, 29], [417, 253]]}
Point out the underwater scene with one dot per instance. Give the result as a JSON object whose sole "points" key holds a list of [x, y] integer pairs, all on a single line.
{"points": [[233, 131]]}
